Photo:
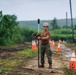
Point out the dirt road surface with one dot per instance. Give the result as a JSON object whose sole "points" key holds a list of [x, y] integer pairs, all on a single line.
{"points": [[30, 67]]}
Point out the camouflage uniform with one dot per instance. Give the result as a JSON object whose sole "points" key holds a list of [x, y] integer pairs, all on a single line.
{"points": [[45, 48]]}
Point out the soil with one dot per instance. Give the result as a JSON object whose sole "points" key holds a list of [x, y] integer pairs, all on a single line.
{"points": [[30, 67]]}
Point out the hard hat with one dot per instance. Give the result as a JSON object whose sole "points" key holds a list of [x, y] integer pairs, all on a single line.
{"points": [[45, 24]]}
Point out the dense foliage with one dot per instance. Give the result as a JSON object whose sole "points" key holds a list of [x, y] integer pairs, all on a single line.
{"points": [[12, 33], [9, 30], [62, 34]]}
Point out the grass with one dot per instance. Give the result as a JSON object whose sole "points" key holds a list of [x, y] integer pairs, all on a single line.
{"points": [[11, 46], [5, 69], [21, 56], [15, 45]]}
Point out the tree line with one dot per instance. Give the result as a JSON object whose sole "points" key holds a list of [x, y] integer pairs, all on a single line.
{"points": [[12, 33]]}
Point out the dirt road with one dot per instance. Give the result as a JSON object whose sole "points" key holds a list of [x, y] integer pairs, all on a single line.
{"points": [[31, 67]]}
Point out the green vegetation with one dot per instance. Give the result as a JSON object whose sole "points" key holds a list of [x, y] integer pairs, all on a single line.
{"points": [[9, 30], [54, 24], [57, 34], [18, 57], [11, 33], [26, 33], [33, 24]]}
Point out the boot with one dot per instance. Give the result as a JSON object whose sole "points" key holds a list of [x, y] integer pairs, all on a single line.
{"points": [[50, 66], [41, 66]]}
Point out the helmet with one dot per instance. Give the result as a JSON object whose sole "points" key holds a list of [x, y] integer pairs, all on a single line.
{"points": [[45, 24]]}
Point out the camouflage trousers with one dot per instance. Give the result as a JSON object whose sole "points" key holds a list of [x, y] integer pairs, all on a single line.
{"points": [[45, 49]]}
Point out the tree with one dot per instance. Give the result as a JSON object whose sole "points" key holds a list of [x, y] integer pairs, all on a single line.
{"points": [[9, 30], [54, 24], [11, 33]]}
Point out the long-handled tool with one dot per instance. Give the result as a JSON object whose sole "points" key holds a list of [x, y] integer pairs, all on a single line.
{"points": [[39, 50]]}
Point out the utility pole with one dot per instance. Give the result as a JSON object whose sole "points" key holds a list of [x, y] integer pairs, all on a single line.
{"points": [[66, 28], [71, 20]]}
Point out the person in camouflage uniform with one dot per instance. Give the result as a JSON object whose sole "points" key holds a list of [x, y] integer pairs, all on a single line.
{"points": [[45, 46]]}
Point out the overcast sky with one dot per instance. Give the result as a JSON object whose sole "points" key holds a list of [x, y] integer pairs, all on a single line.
{"points": [[34, 9]]}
